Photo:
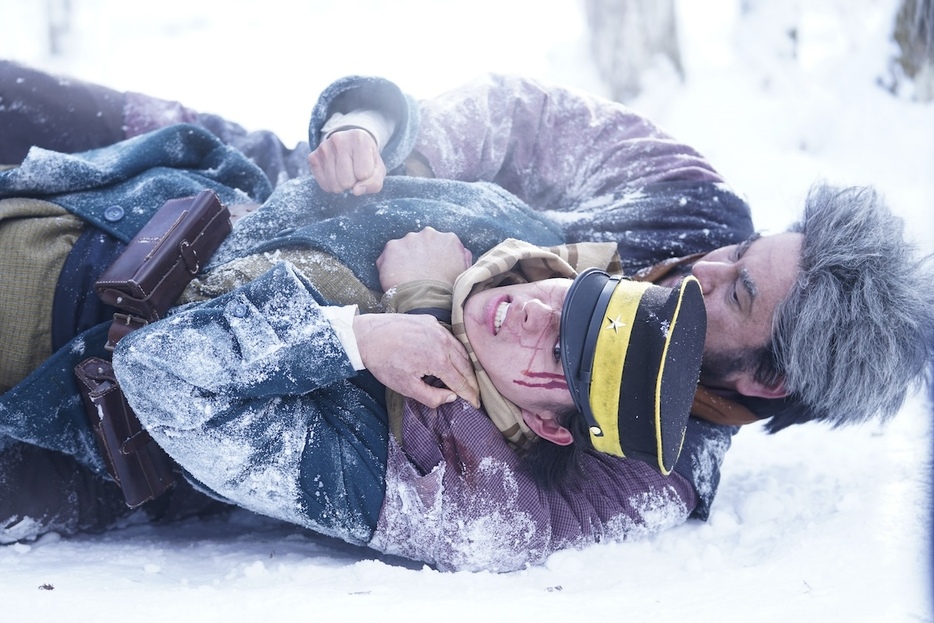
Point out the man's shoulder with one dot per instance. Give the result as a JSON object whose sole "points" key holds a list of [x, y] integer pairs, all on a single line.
{"points": [[705, 446]]}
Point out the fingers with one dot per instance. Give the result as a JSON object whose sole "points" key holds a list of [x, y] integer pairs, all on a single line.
{"points": [[348, 161], [430, 396], [449, 363], [458, 383], [460, 377], [370, 173], [402, 350], [467, 388]]}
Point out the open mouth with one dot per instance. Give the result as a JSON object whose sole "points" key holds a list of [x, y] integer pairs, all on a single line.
{"points": [[500, 316]]}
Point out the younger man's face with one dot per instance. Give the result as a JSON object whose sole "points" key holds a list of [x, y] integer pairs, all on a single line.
{"points": [[514, 332]]}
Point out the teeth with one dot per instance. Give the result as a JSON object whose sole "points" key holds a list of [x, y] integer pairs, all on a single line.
{"points": [[500, 316]]}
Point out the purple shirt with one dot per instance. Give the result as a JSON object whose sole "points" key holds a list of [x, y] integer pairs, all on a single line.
{"points": [[458, 497]]}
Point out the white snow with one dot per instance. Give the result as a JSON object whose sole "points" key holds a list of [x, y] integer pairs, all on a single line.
{"points": [[809, 525]]}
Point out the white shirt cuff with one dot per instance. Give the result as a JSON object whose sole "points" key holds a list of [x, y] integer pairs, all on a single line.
{"points": [[341, 319], [375, 122]]}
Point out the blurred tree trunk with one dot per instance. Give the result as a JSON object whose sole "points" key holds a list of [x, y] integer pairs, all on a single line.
{"points": [[59, 14], [914, 34], [627, 37]]}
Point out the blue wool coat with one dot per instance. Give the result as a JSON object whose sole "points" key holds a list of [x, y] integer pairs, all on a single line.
{"points": [[117, 189], [670, 204]]}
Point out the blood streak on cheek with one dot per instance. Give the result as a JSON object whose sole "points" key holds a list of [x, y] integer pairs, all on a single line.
{"points": [[544, 380]]}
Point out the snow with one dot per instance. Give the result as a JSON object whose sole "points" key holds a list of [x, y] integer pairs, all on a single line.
{"points": [[811, 524]]}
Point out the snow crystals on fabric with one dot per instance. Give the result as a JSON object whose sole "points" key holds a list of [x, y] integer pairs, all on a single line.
{"points": [[478, 534], [474, 507], [191, 378]]}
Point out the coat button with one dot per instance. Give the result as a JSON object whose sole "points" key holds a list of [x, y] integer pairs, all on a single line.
{"points": [[239, 311], [113, 214]]}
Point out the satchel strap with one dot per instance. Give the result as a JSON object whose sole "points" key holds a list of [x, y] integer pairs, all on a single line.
{"points": [[135, 461], [96, 369]]}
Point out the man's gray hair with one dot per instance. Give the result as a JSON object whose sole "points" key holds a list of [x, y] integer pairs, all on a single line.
{"points": [[855, 333]]}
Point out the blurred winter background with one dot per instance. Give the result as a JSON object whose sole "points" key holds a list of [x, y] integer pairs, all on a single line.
{"points": [[810, 525]]}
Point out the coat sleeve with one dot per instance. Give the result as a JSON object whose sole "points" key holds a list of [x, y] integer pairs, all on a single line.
{"points": [[253, 394], [459, 498], [597, 169], [369, 93], [550, 146]]}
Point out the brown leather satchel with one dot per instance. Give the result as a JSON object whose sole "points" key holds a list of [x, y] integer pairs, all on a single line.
{"points": [[142, 469], [150, 274], [144, 282]]}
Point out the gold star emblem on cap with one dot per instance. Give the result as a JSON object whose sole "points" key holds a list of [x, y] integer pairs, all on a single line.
{"points": [[614, 323]]}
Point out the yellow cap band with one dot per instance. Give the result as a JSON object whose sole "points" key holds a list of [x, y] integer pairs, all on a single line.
{"points": [[609, 357]]}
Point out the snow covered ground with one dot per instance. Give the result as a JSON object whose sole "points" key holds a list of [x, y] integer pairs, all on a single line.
{"points": [[810, 525]]}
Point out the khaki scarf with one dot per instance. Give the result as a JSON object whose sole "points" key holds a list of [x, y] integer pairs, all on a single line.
{"points": [[510, 262]]}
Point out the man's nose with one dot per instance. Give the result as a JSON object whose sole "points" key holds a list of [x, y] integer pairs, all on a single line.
{"points": [[538, 314], [710, 274]]}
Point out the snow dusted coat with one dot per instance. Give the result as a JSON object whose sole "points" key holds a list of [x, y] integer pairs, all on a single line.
{"points": [[454, 493], [598, 169], [254, 395], [276, 421], [274, 418], [114, 190]]}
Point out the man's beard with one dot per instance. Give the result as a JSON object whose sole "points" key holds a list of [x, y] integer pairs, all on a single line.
{"points": [[718, 367]]}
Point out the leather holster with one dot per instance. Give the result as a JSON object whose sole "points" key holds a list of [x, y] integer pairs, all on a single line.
{"points": [[144, 282], [142, 469]]}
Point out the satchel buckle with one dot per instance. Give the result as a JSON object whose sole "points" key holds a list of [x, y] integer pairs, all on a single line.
{"points": [[189, 257], [121, 325]]}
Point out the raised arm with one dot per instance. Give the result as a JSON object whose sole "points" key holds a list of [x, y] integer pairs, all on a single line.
{"points": [[551, 146], [598, 169]]}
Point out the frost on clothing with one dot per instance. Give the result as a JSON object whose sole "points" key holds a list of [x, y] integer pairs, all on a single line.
{"points": [[458, 497], [596, 168], [355, 229], [254, 396], [453, 493], [603, 172], [138, 176], [250, 393]]}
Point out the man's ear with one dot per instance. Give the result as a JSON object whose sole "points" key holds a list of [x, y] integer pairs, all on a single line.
{"points": [[546, 426], [749, 386]]}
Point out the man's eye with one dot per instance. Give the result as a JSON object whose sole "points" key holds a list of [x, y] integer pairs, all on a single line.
{"points": [[557, 351]]}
